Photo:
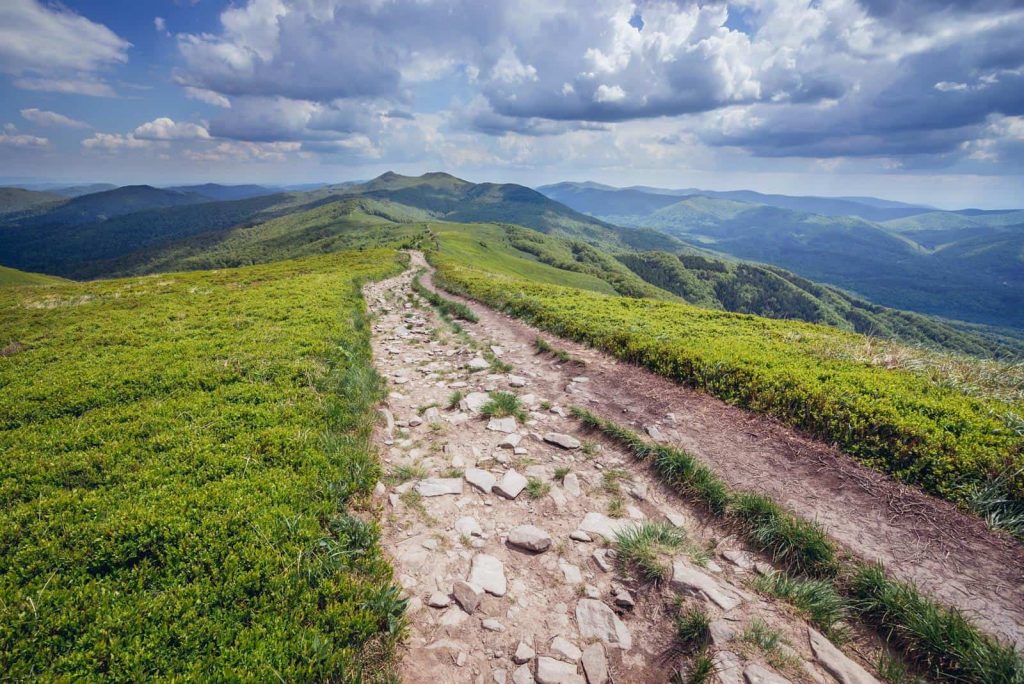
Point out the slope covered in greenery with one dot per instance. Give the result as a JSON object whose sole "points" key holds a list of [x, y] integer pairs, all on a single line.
{"points": [[11, 277], [918, 425], [185, 460], [15, 200], [339, 225], [966, 265], [775, 293]]}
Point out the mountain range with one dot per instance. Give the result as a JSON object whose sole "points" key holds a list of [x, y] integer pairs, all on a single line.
{"points": [[639, 242], [966, 264]]}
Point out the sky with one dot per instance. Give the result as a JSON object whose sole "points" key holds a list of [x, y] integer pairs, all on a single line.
{"points": [[914, 100]]}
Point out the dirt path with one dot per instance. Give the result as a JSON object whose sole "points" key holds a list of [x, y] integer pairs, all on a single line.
{"points": [[516, 581], [952, 556]]}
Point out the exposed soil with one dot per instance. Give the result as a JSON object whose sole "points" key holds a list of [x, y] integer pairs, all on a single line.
{"points": [[952, 556]]}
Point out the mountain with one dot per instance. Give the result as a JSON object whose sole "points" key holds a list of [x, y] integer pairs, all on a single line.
{"points": [[16, 200], [598, 200], [102, 205], [88, 189], [965, 265], [215, 191]]}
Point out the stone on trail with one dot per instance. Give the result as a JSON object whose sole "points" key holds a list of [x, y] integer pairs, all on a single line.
{"points": [[522, 675], [432, 415], [467, 595], [479, 364], [580, 536], [570, 572], [599, 523], [511, 485], [565, 649], [510, 441], [728, 667], [474, 401], [551, 671], [757, 674], [516, 381], [439, 486], [524, 653], [845, 670], [595, 664], [690, 580], [597, 621], [741, 559], [530, 538], [721, 632], [562, 440], [655, 433], [488, 573], [506, 425], [492, 625], [481, 479], [468, 526], [572, 484], [439, 600]]}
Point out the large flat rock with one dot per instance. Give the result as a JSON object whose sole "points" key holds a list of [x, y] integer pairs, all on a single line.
{"points": [[597, 621]]}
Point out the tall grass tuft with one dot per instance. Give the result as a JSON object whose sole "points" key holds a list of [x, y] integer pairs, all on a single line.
{"points": [[939, 640], [645, 549], [799, 545], [502, 404], [817, 599]]}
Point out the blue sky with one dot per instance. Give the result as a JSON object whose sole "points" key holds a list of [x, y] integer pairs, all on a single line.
{"points": [[920, 100]]}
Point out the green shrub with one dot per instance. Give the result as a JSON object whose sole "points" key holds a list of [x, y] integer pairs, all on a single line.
{"points": [[183, 454]]}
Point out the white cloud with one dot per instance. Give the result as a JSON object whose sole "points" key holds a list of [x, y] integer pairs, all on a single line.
{"points": [[160, 25], [49, 47], [243, 151], [165, 128], [86, 85], [207, 96], [114, 142], [606, 93], [42, 117], [23, 141]]}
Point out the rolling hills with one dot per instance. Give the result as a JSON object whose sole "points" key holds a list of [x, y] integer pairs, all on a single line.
{"points": [[106, 234], [966, 265]]}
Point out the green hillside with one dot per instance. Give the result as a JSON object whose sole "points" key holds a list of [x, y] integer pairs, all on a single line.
{"points": [[13, 277], [185, 470], [775, 293], [16, 200], [891, 407], [965, 265]]}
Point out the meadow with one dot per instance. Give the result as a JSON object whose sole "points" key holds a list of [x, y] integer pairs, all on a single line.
{"points": [[185, 487], [903, 422]]}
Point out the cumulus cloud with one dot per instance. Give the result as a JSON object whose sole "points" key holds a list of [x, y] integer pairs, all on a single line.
{"points": [[49, 47], [114, 142], [42, 117], [165, 128], [773, 78], [17, 140]]}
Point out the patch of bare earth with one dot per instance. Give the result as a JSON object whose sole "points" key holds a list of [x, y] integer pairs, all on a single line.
{"points": [[501, 536]]}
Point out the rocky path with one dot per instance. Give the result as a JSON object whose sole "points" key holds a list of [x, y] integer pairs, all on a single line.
{"points": [[501, 529], [951, 555]]}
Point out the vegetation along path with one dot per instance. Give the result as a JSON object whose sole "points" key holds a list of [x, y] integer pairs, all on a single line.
{"points": [[502, 515]]}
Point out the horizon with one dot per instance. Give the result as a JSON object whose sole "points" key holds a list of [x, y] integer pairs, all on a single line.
{"points": [[44, 184], [914, 101]]}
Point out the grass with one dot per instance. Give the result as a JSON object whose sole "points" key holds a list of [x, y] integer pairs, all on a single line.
{"points": [[817, 600], [645, 550], [939, 640], [186, 477], [616, 507], [454, 399], [503, 404], [692, 630], [768, 641], [448, 309], [906, 423], [561, 472], [544, 347], [537, 489], [800, 546], [405, 473]]}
